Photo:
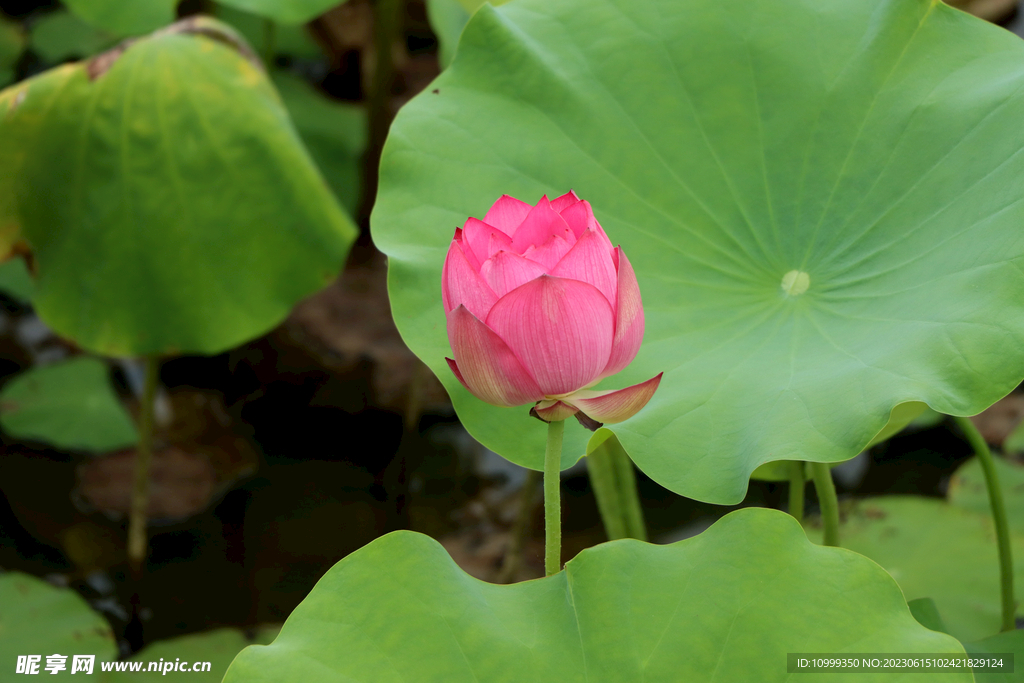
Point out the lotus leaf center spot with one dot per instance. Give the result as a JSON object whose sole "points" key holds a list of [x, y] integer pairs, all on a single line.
{"points": [[795, 282]]}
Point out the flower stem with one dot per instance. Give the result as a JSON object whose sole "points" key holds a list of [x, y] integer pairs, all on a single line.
{"points": [[821, 473], [629, 499], [552, 500], [797, 484], [137, 540], [995, 499], [602, 473], [614, 484]]}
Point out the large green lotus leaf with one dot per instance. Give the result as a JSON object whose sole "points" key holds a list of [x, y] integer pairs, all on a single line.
{"points": [[170, 204], [125, 17], [872, 145], [62, 35], [38, 619], [934, 550], [334, 132], [218, 647], [285, 11], [69, 405], [726, 605], [967, 489]]}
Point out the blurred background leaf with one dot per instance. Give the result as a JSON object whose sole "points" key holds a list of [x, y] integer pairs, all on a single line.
{"points": [[334, 133], [125, 17], [68, 405], [38, 618], [218, 647], [1001, 643], [447, 19], [967, 490], [289, 39], [936, 550], [61, 35], [1015, 441], [927, 614], [12, 43], [286, 11], [16, 281]]}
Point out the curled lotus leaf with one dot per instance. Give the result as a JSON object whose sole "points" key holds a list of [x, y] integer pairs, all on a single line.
{"points": [[166, 197], [726, 605]]}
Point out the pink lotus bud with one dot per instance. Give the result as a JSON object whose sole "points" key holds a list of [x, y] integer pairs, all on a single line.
{"points": [[540, 305]]}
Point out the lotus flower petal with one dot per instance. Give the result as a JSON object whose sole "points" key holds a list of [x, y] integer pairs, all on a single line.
{"points": [[560, 329], [507, 213], [454, 367], [580, 218], [461, 284], [553, 410], [552, 251], [590, 260], [537, 228], [609, 407], [484, 239], [562, 203], [629, 317], [505, 271], [486, 365], [466, 251]]}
